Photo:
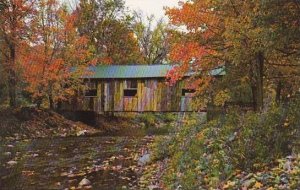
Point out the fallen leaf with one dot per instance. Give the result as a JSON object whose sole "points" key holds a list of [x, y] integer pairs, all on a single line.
{"points": [[258, 185]]}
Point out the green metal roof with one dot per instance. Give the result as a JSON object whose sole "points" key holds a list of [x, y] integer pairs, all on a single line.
{"points": [[134, 71]]}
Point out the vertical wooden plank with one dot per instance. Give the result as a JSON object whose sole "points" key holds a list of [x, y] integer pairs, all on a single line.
{"points": [[164, 97], [155, 82], [160, 98], [122, 87], [125, 104], [142, 97], [117, 96], [152, 91], [158, 95], [112, 93], [169, 95], [173, 97], [121, 94], [102, 97], [139, 95], [152, 95], [99, 94], [147, 95], [106, 96]]}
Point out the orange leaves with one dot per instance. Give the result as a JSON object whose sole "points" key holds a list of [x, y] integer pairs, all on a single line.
{"points": [[15, 16], [196, 16], [106, 60], [201, 83], [189, 55], [174, 75], [186, 52], [195, 50], [47, 63], [187, 15]]}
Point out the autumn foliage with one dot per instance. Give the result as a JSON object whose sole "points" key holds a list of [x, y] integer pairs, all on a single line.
{"points": [[14, 31], [191, 50], [256, 43], [50, 60], [248, 38]]}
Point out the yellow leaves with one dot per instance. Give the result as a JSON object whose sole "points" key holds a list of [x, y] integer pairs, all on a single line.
{"points": [[216, 161], [258, 185], [232, 184], [229, 184], [244, 79], [237, 171], [200, 135], [222, 97], [295, 172], [286, 124]]}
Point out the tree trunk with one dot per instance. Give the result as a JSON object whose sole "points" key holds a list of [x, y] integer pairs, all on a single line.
{"points": [[50, 97], [38, 102], [11, 40], [260, 84], [12, 77], [278, 92], [59, 105], [51, 102], [254, 97], [256, 73]]}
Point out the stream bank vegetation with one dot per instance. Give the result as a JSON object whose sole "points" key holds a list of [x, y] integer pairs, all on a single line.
{"points": [[236, 150]]}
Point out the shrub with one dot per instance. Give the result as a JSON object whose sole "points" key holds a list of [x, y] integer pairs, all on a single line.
{"points": [[204, 155], [148, 119]]}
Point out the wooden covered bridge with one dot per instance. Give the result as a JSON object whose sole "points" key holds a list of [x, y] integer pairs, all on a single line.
{"points": [[133, 88]]}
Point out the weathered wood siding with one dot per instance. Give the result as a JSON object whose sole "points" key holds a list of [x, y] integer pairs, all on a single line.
{"points": [[152, 95]]}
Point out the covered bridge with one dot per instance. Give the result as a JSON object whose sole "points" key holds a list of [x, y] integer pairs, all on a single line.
{"points": [[133, 88]]}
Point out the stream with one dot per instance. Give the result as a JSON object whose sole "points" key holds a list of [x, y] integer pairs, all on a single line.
{"points": [[102, 162]]}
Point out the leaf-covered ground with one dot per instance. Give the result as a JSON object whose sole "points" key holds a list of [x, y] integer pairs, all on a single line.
{"points": [[28, 123], [285, 175], [252, 151]]}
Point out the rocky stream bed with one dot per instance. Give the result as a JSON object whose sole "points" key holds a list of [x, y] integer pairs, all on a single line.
{"points": [[102, 162]]}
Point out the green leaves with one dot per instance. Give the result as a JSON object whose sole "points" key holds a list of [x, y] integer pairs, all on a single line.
{"points": [[108, 26]]}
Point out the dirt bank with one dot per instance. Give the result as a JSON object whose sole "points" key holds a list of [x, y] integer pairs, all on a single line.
{"points": [[26, 123]]}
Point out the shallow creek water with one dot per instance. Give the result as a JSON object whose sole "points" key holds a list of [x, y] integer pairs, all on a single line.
{"points": [[108, 162]]}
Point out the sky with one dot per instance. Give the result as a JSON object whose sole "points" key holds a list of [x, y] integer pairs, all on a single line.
{"points": [[148, 7]]}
